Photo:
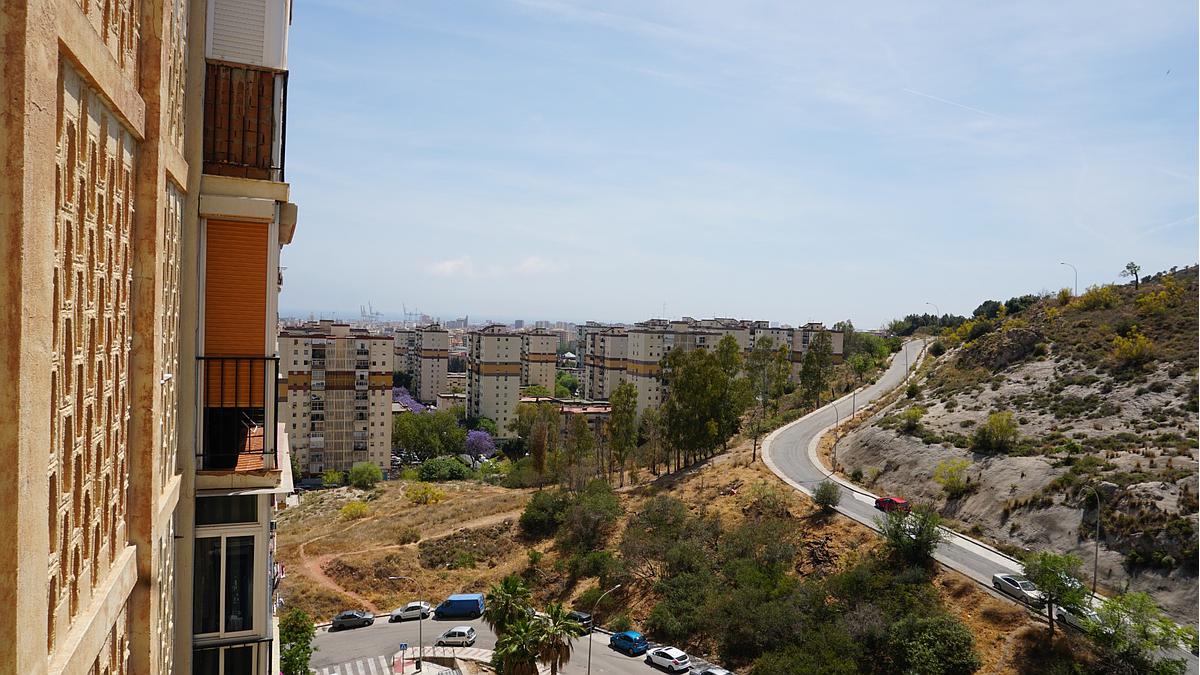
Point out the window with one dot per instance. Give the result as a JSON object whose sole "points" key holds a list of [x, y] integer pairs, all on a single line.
{"points": [[223, 589], [232, 660], [225, 510]]}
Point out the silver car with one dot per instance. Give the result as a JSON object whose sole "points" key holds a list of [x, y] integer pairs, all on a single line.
{"points": [[413, 610], [1017, 586], [459, 636]]}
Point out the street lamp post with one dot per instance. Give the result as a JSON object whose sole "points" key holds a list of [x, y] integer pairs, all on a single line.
{"points": [[420, 628], [593, 629], [1076, 275], [1096, 555], [936, 311]]}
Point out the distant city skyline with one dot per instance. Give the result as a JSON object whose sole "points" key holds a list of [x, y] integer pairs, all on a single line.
{"points": [[768, 159]]}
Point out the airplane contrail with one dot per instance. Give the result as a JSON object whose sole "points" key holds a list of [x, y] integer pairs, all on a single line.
{"points": [[949, 102]]}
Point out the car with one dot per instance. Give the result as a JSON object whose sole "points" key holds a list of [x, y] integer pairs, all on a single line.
{"points": [[459, 636], [888, 504], [1017, 586], [670, 659], [414, 610], [713, 670], [582, 618], [630, 643], [468, 605], [1078, 618], [352, 618]]}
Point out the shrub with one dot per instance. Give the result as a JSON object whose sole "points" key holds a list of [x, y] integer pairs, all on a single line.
{"points": [[1064, 296], [620, 623], [364, 475], [1133, 349], [1097, 297], [1154, 303], [355, 510], [543, 513], [409, 535], [951, 474], [912, 537], [910, 419], [589, 517], [935, 644], [598, 564], [424, 493], [443, 468], [937, 349], [856, 475], [827, 495], [912, 390], [535, 557], [997, 434], [333, 477]]}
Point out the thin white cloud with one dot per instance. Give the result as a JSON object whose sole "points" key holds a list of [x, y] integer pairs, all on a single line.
{"points": [[949, 102]]}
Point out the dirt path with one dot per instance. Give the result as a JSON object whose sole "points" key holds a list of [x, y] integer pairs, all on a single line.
{"points": [[314, 566]]}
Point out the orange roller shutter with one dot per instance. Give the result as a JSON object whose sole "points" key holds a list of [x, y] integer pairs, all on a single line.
{"points": [[235, 307]]}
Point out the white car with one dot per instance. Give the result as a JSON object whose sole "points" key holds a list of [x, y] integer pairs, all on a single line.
{"points": [[413, 610], [714, 671], [1076, 617], [669, 658], [459, 636]]}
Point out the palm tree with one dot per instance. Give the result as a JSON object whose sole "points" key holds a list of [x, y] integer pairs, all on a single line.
{"points": [[558, 632], [507, 603], [518, 647]]}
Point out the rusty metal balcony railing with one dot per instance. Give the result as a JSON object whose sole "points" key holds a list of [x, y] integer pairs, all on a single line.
{"points": [[245, 121], [240, 409]]}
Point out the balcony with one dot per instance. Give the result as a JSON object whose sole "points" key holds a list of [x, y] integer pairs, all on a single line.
{"points": [[245, 121], [240, 410]]}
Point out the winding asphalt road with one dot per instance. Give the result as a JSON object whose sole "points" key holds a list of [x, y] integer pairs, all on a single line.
{"points": [[791, 452]]}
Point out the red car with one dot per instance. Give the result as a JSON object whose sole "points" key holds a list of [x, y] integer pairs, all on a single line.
{"points": [[886, 504]]}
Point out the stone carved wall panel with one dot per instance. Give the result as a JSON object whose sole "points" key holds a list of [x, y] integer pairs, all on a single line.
{"points": [[87, 462], [119, 24], [176, 76]]}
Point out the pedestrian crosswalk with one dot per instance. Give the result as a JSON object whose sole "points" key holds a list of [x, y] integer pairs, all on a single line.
{"points": [[375, 665]]}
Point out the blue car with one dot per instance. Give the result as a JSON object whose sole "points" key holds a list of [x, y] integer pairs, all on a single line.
{"points": [[630, 642]]}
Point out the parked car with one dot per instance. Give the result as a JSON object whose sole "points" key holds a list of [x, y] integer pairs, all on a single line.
{"points": [[352, 618], [583, 619], [1018, 587], [713, 670], [630, 642], [1076, 617], [887, 504], [468, 605], [459, 636], [670, 659], [413, 610]]}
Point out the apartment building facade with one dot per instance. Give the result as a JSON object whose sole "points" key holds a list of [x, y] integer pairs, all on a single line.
{"points": [[539, 358], [138, 510], [336, 395], [424, 354], [494, 375], [616, 354]]}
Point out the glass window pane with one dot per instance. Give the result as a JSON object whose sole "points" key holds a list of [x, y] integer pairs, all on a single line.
{"points": [[206, 662], [224, 510], [239, 583], [239, 660], [206, 591]]}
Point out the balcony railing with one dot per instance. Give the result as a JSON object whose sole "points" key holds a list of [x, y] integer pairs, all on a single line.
{"points": [[245, 121], [240, 409]]}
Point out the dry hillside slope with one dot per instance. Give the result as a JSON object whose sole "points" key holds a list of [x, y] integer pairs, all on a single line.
{"points": [[1102, 392]]}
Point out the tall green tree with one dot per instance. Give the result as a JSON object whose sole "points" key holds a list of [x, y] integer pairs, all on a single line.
{"points": [[912, 537], [691, 413], [1135, 636], [296, 633], [861, 363], [767, 370], [507, 603], [1057, 576], [653, 450], [518, 648], [734, 387], [1134, 271], [429, 434], [622, 426], [577, 452], [559, 631], [817, 364]]}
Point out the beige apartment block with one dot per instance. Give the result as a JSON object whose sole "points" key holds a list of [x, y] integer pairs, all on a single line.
{"points": [[337, 395], [433, 360], [405, 351], [494, 375], [605, 357], [106, 219], [539, 358]]}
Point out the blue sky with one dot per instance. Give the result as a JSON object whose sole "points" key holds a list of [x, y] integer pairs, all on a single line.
{"points": [[789, 161]]}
